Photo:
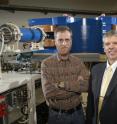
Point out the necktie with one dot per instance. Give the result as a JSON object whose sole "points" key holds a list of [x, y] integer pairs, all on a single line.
{"points": [[105, 83]]}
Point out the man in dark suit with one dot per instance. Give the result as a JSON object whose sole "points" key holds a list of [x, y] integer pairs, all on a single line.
{"points": [[102, 96]]}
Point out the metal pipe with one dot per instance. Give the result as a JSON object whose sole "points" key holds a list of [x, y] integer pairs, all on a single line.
{"points": [[13, 33]]}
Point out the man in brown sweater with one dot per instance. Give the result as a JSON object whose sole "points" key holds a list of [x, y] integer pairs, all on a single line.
{"points": [[64, 78]]}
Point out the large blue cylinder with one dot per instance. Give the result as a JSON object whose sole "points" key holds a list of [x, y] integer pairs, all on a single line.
{"points": [[87, 36], [30, 34]]}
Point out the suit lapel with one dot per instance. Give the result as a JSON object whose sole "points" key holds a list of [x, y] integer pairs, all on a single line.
{"points": [[112, 84], [99, 78]]}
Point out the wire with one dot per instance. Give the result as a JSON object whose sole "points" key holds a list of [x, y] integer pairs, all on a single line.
{"points": [[2, 47], [1, 50]]}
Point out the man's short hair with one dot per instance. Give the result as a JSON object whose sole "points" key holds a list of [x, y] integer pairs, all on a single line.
{"points": [[62, 29], [110, 34]]}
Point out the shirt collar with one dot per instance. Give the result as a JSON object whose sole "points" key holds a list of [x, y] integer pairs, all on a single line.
{"points": [[113, 66], [62, 59]]}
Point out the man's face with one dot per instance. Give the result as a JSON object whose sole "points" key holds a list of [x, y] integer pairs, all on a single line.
{"points": [[110, 48], [63, 42]]}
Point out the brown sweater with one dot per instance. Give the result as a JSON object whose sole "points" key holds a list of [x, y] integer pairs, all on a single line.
{"points": [[54, 71]]}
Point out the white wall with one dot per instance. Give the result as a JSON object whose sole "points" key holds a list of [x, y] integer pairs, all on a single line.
{"points": [[21, 18]]}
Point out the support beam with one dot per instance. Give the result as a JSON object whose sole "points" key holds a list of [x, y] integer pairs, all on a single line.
{"points": [[4, 2], [54, 10]]}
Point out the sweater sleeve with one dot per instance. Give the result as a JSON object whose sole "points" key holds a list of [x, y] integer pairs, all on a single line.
{"points": [[50, 90], [81, 84]]}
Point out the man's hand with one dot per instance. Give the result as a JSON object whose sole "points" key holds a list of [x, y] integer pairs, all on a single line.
{"points": [[80, 78], [61, 84]]}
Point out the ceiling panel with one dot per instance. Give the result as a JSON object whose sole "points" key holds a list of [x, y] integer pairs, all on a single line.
{"points": [[98, 5]]}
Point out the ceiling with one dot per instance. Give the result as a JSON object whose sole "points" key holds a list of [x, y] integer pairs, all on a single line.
{"points": [[91, 7]]}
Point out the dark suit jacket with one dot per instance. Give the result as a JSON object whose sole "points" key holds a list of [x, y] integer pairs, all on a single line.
{"points": [[108, 113]]}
